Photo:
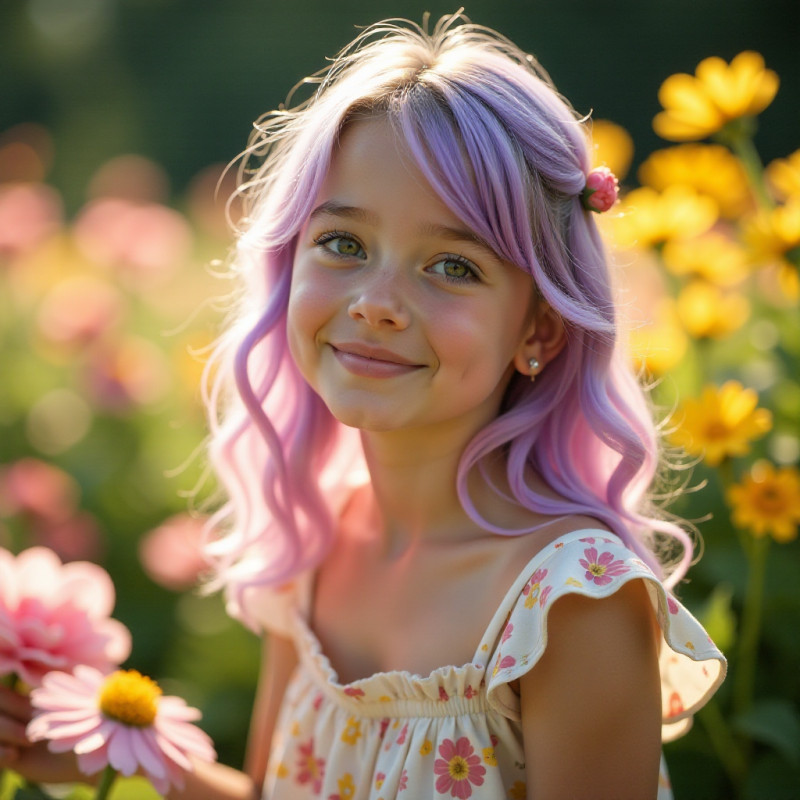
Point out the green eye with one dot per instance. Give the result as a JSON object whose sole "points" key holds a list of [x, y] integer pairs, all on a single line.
{"points": [[455, 269], [345, 247], [340, 244]]}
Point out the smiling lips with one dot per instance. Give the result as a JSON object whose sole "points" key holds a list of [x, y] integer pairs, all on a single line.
{"points": [[372, 362]]}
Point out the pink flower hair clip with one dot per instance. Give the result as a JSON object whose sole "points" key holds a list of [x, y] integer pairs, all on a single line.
{"points": [[601, 190]]}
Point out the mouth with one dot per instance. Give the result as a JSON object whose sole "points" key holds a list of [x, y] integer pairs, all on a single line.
{"points": [[372, 362]]}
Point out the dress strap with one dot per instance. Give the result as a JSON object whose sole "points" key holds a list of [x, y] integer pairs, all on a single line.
{"points": [[491, 635]]}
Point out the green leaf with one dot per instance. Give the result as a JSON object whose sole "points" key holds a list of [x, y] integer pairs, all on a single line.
{"points": [[774, 723], [718, 618], [134, 789]]}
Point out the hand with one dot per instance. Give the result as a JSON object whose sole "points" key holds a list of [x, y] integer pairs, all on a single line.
{"points": [[33, 761]]}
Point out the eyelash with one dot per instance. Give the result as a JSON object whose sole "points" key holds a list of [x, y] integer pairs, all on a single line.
{"points": [[330, 236], [473, 271]]}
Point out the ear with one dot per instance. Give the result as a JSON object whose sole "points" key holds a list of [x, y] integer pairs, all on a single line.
{"points": [[544, 339]]}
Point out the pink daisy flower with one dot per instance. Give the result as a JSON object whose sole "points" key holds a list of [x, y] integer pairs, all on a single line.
{"points": [[119, 720], [459, 768], [54, 616], [601, 568]]}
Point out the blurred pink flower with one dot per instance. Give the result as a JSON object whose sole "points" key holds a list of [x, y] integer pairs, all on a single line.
{"points": [[38, 489], [127, 373], [29, 213], [54, 616], [100, 305], [130, 177], [144, 242], [120, 720], [171, 553], [76, 538]]}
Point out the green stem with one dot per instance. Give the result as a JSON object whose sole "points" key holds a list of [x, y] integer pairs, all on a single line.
{"points": [[725, 746], [106, 781], [739, 139], [751, 625]]}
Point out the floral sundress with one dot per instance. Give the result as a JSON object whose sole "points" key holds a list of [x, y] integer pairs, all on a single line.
{"points": [[456, 733]]}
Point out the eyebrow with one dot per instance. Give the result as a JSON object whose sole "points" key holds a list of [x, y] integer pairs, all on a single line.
{"points": [[448, 232]]}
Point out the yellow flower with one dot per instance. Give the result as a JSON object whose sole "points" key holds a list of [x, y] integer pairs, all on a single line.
{"points": [[768, 501], [612, 147], [695, 106], [660, 345], [650, 218], [427, 748], [783, 175], [346, 787], [352, 731], [773, 235], [710, 169], [721, 423], [708, 313], [712, 256], [489, 757]]}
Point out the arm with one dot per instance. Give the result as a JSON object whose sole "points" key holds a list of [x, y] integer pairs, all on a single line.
{"points": [[218, 782], [591, 707]]}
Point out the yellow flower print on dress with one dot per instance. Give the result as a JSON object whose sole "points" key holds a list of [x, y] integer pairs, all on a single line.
{"points": [[532, 588], [347, 788], [352, 731], [489, 757], [427, 748]]}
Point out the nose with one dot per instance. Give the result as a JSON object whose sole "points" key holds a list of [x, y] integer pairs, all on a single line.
{"points": [[380, 302]]}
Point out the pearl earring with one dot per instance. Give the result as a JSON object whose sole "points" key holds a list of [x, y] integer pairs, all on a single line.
{"points": [[533, 363]]}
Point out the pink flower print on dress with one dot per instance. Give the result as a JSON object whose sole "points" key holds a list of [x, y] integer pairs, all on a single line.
{"points": [[673, 606], [532, 587], [352, 692], [544, 595], [310, 769], [507, 631], [470, 693], [403, 781], [379, 779], [459, 768], [443, 696], [503, 662], [601, 568], [402, 735]]}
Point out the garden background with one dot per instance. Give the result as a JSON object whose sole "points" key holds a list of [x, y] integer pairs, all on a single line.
{"points": [[117, 117]]}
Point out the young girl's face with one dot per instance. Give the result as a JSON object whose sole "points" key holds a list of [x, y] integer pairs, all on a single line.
{"points": [[399, 317]]}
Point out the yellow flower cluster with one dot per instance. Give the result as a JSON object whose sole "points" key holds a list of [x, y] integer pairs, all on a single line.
{"points": [[699, 105], [721, 423]]}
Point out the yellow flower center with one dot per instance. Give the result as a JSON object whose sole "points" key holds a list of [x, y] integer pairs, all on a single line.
{"points": [[459, 769], [129, 697], [717, 431], [597, 570], [770, 501]]}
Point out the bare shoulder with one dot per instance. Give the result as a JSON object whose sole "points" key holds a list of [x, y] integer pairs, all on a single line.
{"points": [[595, 695], [520, 550]]}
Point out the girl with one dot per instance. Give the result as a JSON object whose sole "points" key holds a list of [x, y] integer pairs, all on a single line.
{"points": [[437, 458]]}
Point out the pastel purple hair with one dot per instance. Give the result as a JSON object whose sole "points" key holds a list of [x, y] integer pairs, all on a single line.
{"points": [[509, 156]]}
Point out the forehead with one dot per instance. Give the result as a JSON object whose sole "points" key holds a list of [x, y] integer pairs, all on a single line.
{"points": [[372, 163]]}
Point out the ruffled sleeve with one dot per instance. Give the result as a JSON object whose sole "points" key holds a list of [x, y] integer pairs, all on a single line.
{"points": [[597, 565], [271, 609]]}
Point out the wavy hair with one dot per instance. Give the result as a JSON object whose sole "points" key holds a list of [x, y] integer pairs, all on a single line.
{"points": [[508, 155]]}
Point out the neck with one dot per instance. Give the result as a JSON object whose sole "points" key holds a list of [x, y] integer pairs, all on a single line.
{"points": [[413, 483]]}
